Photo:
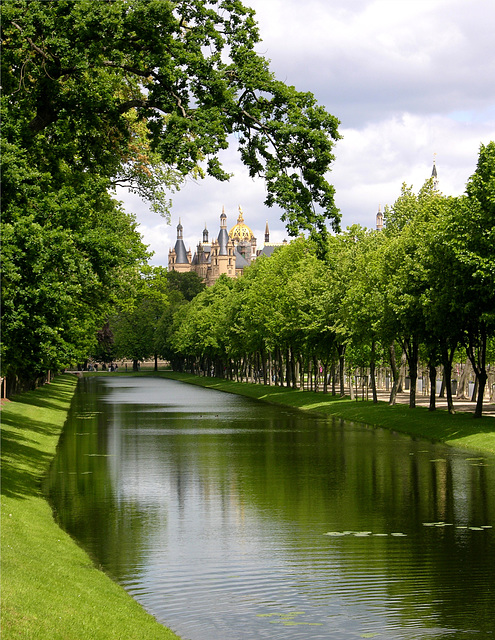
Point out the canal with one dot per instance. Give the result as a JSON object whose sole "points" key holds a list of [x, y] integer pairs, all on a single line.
{"points": [[230, 519]]}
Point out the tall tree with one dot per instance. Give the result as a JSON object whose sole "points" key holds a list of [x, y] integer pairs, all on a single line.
{"points": [[470, 237], [135, 325], [363, 304], [73, 71]]}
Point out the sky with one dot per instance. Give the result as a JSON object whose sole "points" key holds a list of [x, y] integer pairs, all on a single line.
{"points": [[410, 81]]}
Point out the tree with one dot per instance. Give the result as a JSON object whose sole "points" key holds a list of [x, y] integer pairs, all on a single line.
{"points": [[469, 234], [187, 284], [135, 325], [363, 304], [73, 72], [406, 281], [61, 271], [199, 334]]}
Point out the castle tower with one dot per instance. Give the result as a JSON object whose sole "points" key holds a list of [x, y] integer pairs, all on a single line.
{"points": [[434, 173], [379, 219], [178, 258], [205, 235], [267, 233], [223, 236], [222, 259]]}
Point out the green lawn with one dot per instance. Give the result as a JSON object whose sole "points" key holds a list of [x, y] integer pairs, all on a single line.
{"points": [[50, 588], [461, 429]]}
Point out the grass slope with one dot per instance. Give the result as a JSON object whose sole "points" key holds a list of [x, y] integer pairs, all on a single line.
{"points": [[460, 429], [50, 588]]}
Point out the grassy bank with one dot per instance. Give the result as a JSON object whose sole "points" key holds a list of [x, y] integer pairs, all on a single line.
{"points": [[460, 430], [50, 588]]}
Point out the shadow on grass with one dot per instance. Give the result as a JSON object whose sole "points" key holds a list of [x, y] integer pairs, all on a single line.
{"points": [[22, 460], [57, 392], [24, 438]]}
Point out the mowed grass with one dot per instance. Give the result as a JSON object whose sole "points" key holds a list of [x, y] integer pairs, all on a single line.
{"points": [[460, 429], [50, 587]]}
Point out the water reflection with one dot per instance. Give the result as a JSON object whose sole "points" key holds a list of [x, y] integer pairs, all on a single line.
{"points": [[231, 519]]}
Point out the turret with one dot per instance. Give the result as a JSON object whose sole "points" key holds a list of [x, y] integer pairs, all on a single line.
{"points": [[178, 258], [434, 173], [379, 219], [180, 229], [223, 236]]}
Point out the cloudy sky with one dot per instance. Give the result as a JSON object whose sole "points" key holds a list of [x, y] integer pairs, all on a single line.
{"points": [[406, 78]]}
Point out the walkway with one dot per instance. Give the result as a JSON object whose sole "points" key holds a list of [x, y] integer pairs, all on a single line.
{"points": [[441, 403]]}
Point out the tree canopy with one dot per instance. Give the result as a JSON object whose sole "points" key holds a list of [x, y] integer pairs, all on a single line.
{"points": [[140, 93], [84, 75]]}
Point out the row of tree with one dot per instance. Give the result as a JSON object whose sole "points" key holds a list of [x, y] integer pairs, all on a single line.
{"points": [[141, 94], [422, 289]]}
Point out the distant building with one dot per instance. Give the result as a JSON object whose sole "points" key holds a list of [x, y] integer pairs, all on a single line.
{"points": [[230, 253], [379, 219], [434, 173]]}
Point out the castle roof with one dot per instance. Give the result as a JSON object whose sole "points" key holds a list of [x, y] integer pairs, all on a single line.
{"points": [[241, 231], [240, 260], [180, 248]]}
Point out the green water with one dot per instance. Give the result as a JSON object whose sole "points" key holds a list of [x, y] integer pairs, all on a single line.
{"points": [[233, 520]]}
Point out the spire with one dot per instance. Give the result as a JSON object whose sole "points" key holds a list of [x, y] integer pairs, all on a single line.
{"points": [[223, 219], [205, 235], [267, 233], [379, 219], [434, 173], [223, 236], [180, 249]]}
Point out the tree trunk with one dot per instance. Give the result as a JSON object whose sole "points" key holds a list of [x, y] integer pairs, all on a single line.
{"points": [[396, 373], [412, 360], [447, 375], [475, 390], [481, 391], [301, 372], [334, 378], [372, 372], [476, 351], [461, 388], [266, 372], [316, 369], [341, 351], [433, 385], [293, 368]]}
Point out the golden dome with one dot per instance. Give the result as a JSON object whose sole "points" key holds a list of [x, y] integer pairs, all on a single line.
{"points": [[240, 231]]}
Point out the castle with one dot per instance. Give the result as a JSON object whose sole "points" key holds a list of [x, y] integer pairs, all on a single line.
{"points": [[230, 253]]}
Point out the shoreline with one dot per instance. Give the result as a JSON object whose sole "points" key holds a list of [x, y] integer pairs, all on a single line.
{"points": [[458, 430]]}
